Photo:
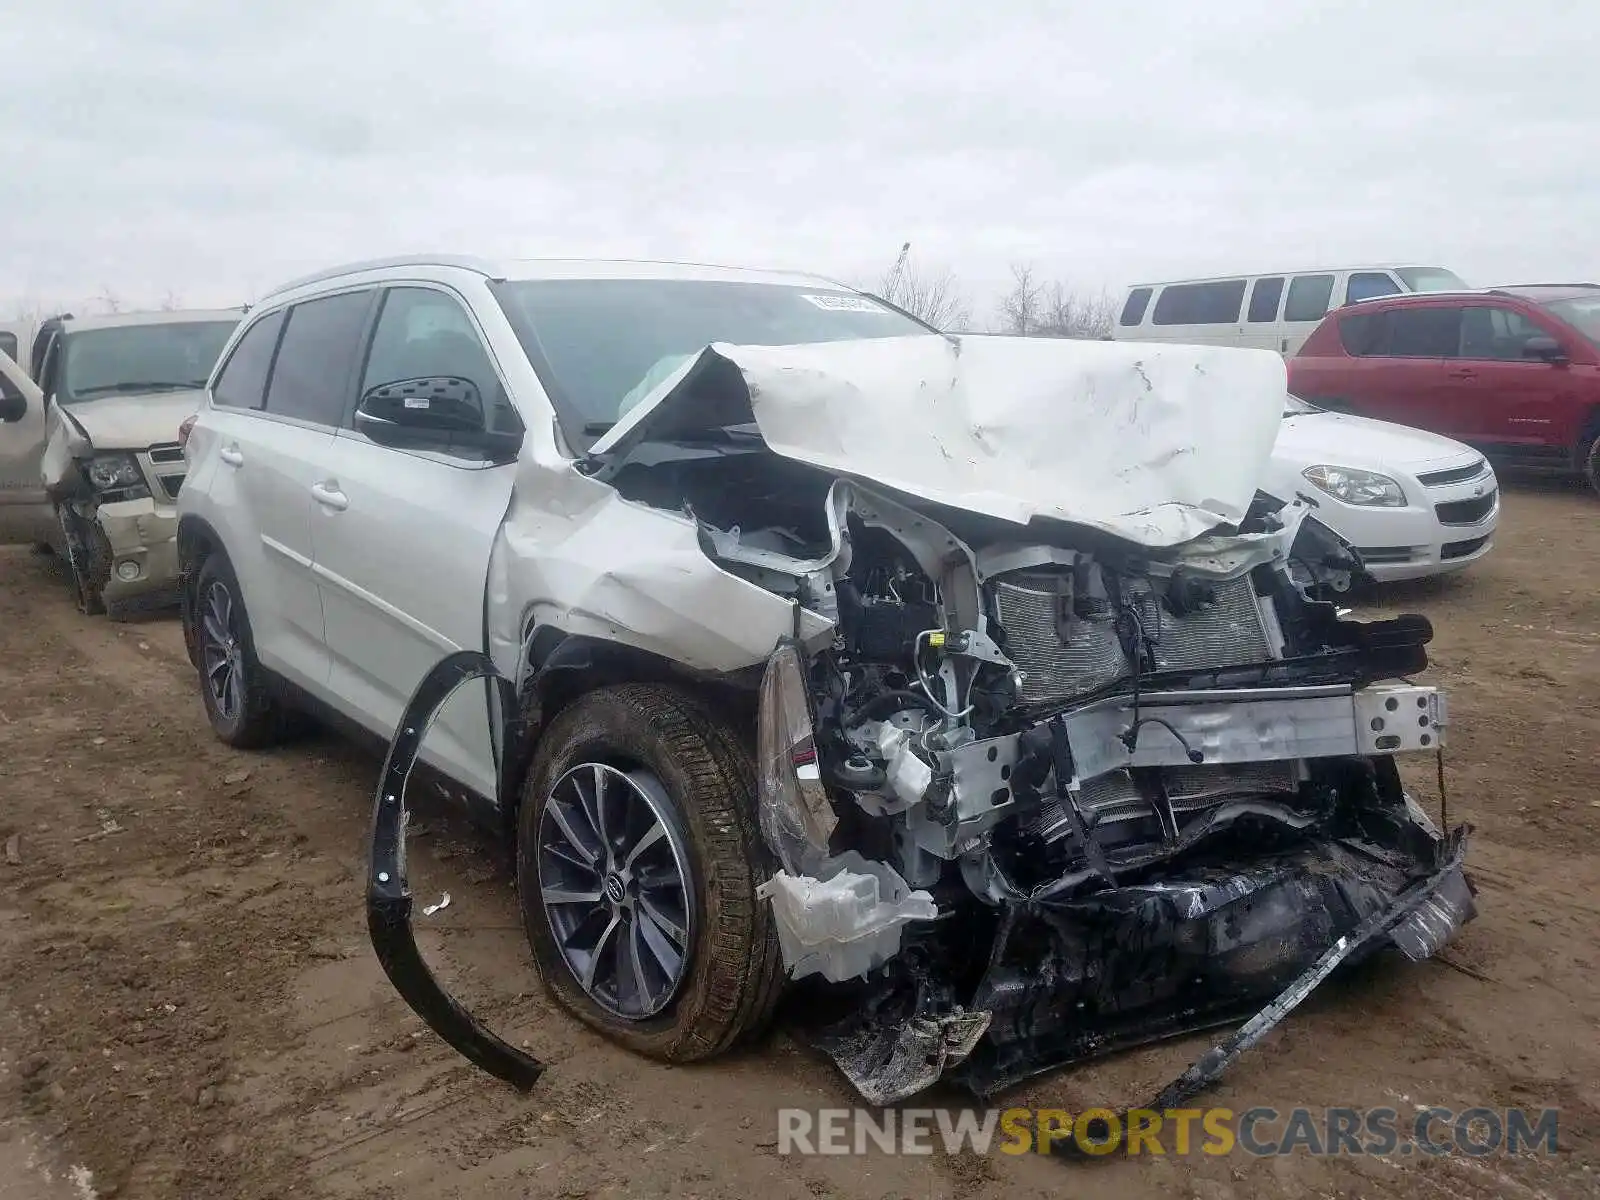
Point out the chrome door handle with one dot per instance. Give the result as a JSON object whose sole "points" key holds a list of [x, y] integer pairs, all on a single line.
{"points": [[329, 496], [231, 456]]}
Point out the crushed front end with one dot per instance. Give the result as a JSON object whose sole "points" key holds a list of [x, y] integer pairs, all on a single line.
{"points": [[1035, 803]]}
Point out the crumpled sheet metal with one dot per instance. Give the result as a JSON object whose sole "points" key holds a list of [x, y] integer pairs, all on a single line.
{"points": [[1154, 443], [574, 553]]}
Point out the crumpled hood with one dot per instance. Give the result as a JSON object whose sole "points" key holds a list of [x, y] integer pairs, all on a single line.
{"points": [[1343, 440], [134, 422], [1152, 443]]}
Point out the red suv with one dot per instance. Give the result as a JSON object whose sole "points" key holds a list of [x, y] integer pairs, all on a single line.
{"points": [[1512, 371]]}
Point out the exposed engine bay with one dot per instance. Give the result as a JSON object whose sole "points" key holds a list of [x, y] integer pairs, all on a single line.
{"points": [[1039, 801]]}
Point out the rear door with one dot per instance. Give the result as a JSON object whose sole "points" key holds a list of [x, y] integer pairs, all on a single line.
{"points": [[403, 538], [1402, 356], [271, 451], [1506, 399]]}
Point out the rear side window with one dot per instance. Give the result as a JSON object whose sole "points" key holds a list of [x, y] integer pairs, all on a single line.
{"points": [[1359, 333], [243, 380], [1422, 332], [1133, 308], [1365, 285], [1308, 298], [1200, 303], [311, 379], [1264, 297]]}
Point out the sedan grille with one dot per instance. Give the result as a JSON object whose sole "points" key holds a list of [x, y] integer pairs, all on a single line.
{"points": [[1466, 512], [1453, 475]]}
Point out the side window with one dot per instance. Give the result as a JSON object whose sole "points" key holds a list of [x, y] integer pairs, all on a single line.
{"points": [[1360, 333], [1133, 309], [1364, 285], [243, 382], [424, 334], [1200, 303], [321, 343], [1423, 332], [1308, 298], [1264, 297], [1496, 333]]}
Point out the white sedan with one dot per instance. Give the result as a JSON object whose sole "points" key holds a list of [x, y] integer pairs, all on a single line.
{"points": [[1413, 503]]}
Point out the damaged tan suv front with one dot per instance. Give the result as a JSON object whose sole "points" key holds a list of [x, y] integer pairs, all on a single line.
{"points": [[116, 389]]}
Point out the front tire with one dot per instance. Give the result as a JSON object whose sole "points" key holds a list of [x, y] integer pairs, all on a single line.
{"points": [[1591, 464], [637, 865], [233, 687]]}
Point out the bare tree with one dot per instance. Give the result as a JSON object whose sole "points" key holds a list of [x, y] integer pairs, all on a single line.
{"points": [[1035, 309], [171, 301], [1019, 308], [109, 300], [933, 295]]}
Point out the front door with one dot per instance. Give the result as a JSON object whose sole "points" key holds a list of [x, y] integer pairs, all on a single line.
{"points": [[403, 539], [1508, 400], [24, 510]]}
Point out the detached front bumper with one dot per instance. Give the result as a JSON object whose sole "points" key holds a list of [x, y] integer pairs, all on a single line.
{"points": [[139, 550]]}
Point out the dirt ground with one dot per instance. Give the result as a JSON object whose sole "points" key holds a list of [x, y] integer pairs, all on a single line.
{"points": [[189, 1006]]}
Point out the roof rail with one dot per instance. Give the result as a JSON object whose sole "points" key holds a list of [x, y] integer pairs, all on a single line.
{"points": [[467, 263]]}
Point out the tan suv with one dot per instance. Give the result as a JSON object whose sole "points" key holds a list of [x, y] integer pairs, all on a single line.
{"points": [[89, 457]]}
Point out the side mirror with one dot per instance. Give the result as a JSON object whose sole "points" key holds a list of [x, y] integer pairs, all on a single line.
{"points": [[13, 405], [437, 412], [1545, 349]]}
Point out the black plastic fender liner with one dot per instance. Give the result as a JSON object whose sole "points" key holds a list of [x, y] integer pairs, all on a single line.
{"points": [[389, 900], [1439, 900]]}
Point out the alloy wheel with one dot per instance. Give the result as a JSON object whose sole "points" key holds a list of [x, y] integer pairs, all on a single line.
{"points": [[615, 884], [221, 656]]}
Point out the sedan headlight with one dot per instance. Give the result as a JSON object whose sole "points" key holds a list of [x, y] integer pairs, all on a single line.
{"points": [[1366, 488], [116, 473]]}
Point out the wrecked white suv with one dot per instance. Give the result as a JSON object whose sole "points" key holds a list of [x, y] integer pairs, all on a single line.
{"points": [[94, 447], [970, 684]]}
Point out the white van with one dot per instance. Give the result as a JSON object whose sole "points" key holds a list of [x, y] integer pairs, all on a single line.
{"points": [[1270, 312]]}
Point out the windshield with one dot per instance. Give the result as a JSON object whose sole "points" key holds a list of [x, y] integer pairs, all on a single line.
{"points": [[139, 358], [1431, 279], [1582, 313], [600, 345], [1293, 406]]}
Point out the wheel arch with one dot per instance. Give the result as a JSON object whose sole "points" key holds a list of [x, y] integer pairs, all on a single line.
{"points": [[557, 668], [197, 541]]}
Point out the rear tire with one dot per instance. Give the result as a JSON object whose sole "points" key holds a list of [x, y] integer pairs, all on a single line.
{"points": [[233, 687], [667, 760], [1591, 464]]}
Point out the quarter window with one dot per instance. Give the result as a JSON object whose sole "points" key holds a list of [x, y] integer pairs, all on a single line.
{"points": [[321, 343], [1200, 303], [1308, 298], [1264, 297], [243, 381], [8, 345]]}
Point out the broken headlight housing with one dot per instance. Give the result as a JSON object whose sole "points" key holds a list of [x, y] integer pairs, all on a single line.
{"points": [[797, 817], [117, 473], [1367, 489]]}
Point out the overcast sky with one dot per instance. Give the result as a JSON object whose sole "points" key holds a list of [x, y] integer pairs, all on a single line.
{"points": [[212, 149]]}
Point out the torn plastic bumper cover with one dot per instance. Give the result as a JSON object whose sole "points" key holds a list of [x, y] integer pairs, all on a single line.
{"points": [[389, 901], [1068, 980]]}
